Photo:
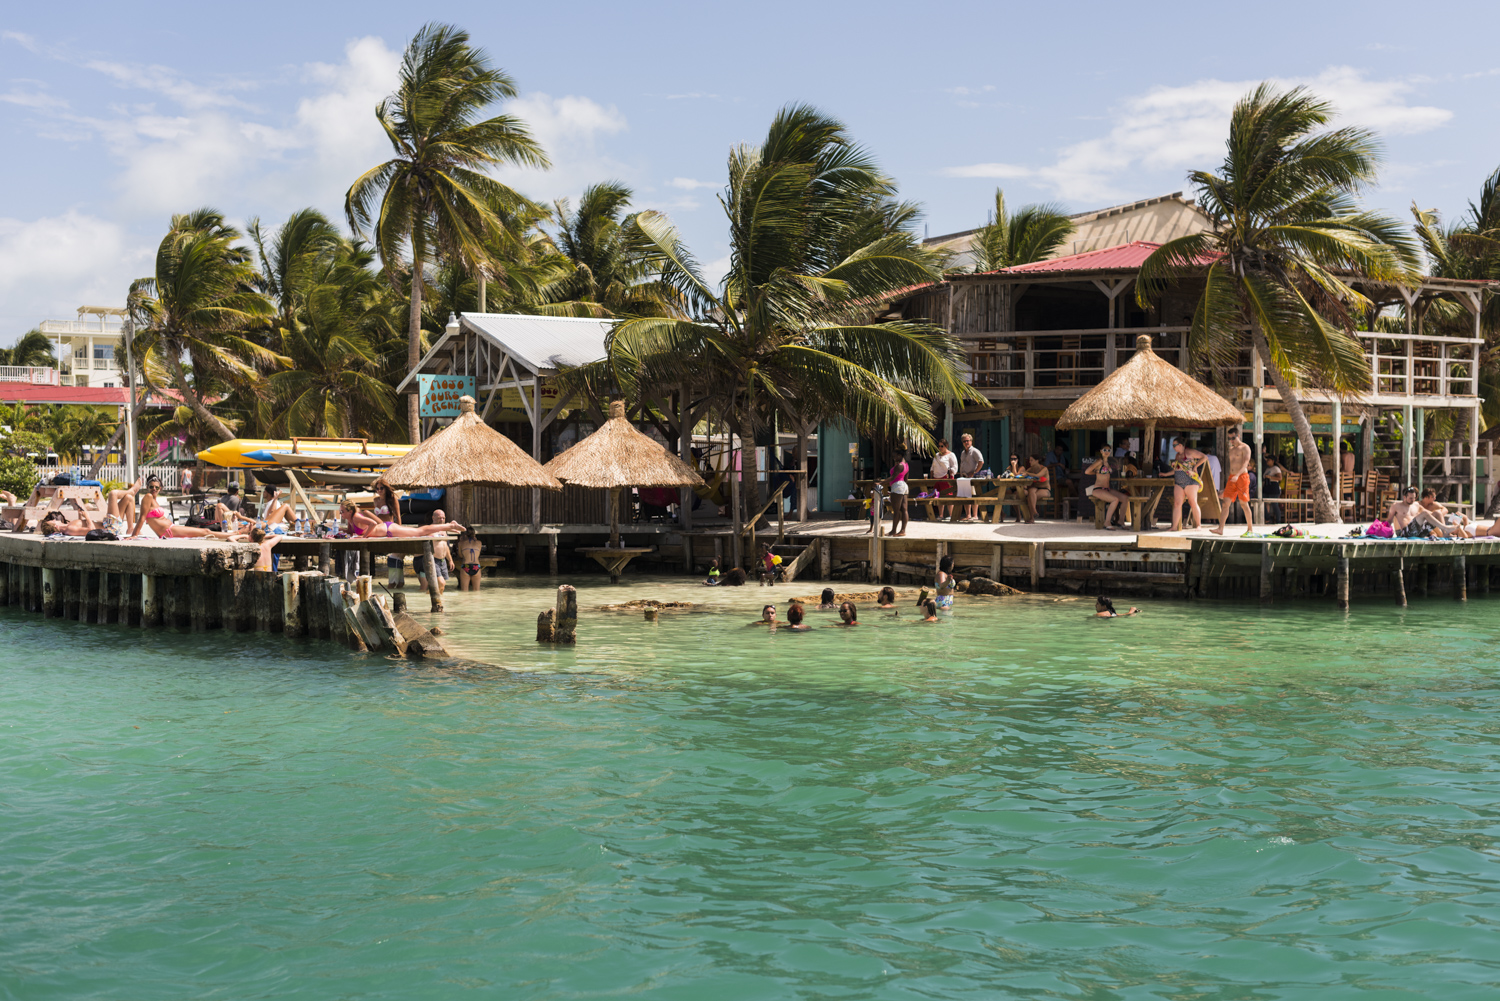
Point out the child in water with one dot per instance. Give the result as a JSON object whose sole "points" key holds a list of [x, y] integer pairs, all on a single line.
{"points": [[713, 574], [945, 583]]}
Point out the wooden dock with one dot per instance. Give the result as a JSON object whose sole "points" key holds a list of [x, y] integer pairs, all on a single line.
{"points": [[203, 586]]}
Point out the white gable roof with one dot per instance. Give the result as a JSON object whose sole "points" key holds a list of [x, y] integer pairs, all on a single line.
{"points": [[542, 343]]}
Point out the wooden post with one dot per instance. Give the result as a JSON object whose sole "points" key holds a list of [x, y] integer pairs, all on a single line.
{"points": [[198, 603], [4, 584], [325, 558], [567, 613], [546, 626], [432, 586], [1399, 580], [1344, 577], [364, 586], [130, 599], [1265, 572], [105, 607], [1424, 578], [1038, 562], [825, 558], [687, 554], [52, 603], [1460, 578], [552, 553], [395, 574], [67, 583], [88, 596], [150, 602], [719, 551], [997, 561], [1481, 571], [520, 559], [292, 623]]}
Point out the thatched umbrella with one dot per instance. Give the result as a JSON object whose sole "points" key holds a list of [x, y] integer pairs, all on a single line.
{"points": [[618, 456], [1150, 390], [468, 451]]}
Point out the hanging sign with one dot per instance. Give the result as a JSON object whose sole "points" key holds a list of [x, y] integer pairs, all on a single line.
{"points": [[439, 393]]}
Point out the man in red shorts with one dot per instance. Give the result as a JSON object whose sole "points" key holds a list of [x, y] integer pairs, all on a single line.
{"points": [[1237, 485]]}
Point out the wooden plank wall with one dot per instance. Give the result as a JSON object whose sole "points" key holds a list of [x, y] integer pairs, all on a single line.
{"points": [[509, 506]]}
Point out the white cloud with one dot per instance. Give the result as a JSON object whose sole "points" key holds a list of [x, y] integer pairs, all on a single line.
{"points": [[1174, 128], [569, 129], [35, 99], [51, 266], [689, 184]]}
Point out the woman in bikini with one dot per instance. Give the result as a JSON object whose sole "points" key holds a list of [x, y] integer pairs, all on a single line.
{"points": [[152, 515], [1039, 489], [1100, 469], [468, 547], [945, 586], [366, 525], [1186, 479]]}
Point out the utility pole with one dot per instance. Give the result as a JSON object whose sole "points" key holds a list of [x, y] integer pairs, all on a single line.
{"points": [[130, 446]]}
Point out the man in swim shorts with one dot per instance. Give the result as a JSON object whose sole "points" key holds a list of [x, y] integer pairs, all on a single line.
{"points": [[1237, 486]]}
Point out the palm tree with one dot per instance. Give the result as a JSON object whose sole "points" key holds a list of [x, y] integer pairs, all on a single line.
{"points": [[201, 305], [334, 386], [1034, 233], [433, 195], [32, 349], [291, 262], [615, 268], [1287, 241], [791, 320]]}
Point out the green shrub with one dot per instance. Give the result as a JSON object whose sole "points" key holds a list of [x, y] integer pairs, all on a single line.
{"points": [[18, 475]]}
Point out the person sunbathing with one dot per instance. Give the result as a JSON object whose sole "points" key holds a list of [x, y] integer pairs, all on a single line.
{"points": [[365, 524], [55, 523], [1407, 516], [159, 522], [1457, 521]]}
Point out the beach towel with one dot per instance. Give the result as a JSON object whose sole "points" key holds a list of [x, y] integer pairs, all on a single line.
{"points": [[964, 488]]}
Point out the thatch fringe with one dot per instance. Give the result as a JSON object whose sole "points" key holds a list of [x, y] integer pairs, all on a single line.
{"points": [[1150, 390], [467, 451], [617, 455]]}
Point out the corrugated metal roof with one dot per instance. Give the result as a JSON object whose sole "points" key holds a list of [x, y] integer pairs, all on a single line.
{"points": [[1127, 255], [33, 393], [543, 342]]}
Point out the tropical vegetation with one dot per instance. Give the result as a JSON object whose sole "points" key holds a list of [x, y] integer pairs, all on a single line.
{"points": [[1288, 244], [1033, 233]]}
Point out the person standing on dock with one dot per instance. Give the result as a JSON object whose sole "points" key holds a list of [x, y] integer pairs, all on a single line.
{"points": [[1186, 479], [944, 469], [1237, 487], [970, 462], [899, 490]]}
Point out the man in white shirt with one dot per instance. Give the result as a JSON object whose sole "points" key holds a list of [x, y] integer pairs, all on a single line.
{"points": [[944, 467], [970, 462]]}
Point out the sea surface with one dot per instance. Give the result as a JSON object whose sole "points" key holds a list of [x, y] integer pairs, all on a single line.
{"points": [[1207, 801]]}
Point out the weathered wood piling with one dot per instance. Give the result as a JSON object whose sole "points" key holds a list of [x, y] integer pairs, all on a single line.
{"points": [[207, 586]]}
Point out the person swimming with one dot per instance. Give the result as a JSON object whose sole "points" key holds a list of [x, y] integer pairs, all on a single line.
{"points": [[886, 598], [930, 608], [1105, 609], [794, 615], [945, 584], [826, 601], [767, 616], [848, 616]]}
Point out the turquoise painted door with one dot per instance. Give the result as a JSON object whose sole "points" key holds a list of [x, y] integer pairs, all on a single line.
{"points": [[834, 479]]}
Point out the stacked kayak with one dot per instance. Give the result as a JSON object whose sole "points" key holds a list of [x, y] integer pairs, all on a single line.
{"points": [[339, 462]]}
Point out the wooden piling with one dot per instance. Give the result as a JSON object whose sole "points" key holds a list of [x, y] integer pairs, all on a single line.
{"points": [[106, 605], [520, 557], [150, 602], [1343, 581], [52, 594], [1265, 572], [546, 626], [1460, 578], [130, 599], [291, 605], [1424, 577], [1399, 580], [198, 604], [325, 558], [88, 596], [552, 553], [364, 586], [433, 594], [566, 622]]}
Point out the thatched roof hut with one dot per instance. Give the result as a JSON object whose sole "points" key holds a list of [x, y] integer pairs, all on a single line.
{"points": [[618, 456], [467, 451], [1149, 390]]}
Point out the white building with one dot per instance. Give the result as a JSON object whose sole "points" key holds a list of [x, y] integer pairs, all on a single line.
{"points": [[90, 349]]}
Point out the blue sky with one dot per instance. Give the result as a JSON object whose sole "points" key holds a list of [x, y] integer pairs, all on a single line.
{"points": [[117, 115]]}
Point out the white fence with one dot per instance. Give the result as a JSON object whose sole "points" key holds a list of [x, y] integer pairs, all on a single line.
{"points": [[28, 374], [171, 476]]}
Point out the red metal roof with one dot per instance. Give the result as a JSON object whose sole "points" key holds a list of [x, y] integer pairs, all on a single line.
{"points": [[1125, 256], [29, 392]]}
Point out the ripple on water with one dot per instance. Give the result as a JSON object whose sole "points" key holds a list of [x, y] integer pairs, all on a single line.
{"points": [[1206, 801]]}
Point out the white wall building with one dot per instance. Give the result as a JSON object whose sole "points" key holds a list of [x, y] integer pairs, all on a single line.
{"points": [[90, 349]]}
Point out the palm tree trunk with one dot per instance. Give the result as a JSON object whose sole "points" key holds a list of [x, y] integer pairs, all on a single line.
{"points": [[749, 466], [1324, 510], [191, 398], [414, 341]]}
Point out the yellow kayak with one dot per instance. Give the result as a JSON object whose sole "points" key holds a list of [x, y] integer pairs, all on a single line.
{"points": [[258, 453]]}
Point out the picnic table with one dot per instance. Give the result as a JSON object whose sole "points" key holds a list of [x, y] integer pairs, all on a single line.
{"points": [[1002, 490], [47, 498], [614, 560], [1145, 494]]}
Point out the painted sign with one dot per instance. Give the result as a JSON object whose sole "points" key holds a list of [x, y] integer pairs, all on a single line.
{"points": [[510, 399], [439, 393]]}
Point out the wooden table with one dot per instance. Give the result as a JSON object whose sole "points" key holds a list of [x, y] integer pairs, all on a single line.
{"points": [[614, 561], [1145, 494], [1005, 490]]}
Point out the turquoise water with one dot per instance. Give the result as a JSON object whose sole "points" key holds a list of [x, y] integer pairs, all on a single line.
{"points": [[1208, 801]]}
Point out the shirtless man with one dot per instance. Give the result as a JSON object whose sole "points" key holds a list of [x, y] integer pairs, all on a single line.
{"points": [[1237, 486], [1454, 520], [440, 556], [1406, 513], [266, 543], [468, 547]]}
